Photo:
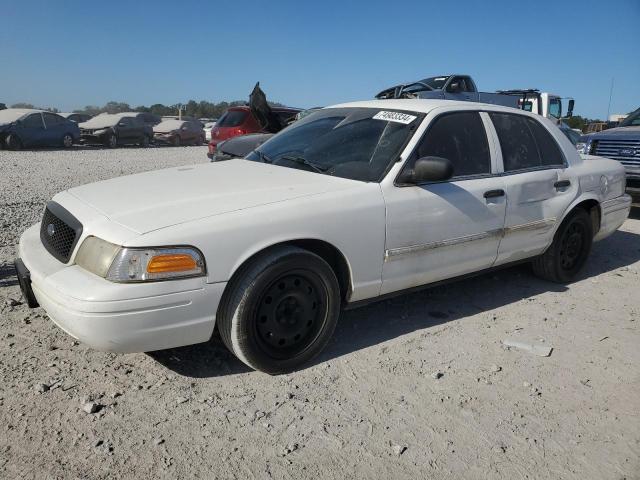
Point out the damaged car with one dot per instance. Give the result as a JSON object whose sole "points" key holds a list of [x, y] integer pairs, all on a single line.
{"points": [[257, 117], [179, 132], [350, 205], [113, 130], [27, 128]]}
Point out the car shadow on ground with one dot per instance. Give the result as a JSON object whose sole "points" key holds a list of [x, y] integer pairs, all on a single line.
{"points": [[385, 320]]}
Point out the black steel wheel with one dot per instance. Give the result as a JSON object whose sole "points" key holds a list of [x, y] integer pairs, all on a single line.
{"points": [[280, 309], [569, 251], [291, 313], [111, 141]]}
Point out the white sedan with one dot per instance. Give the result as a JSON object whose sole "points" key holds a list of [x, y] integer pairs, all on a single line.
{"points": [[349, 205]]}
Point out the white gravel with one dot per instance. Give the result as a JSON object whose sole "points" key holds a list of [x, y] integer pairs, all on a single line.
{"points": [[370, 407]]}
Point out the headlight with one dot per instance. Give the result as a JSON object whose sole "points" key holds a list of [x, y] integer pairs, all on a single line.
{"points": [[124, 264], [581, 147]]}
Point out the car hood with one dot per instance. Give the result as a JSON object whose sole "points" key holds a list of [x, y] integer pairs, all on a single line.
{"points": [[617, 132], [149, 201]]}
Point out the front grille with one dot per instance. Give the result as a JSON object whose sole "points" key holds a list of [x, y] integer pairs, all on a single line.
{"points": [[626, 151], [59, 231]]}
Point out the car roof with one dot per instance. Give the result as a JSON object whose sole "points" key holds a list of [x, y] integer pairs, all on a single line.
{"points": [[25, 111], [426, 105]]}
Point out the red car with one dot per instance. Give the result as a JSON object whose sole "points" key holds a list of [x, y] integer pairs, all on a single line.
{"points": [[240, 121]]}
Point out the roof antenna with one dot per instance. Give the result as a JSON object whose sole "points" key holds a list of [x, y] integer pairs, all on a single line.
{"points": [[610, 95]]}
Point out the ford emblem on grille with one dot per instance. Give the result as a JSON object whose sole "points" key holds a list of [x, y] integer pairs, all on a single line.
{"points": [[51, 229], [626, 152]]}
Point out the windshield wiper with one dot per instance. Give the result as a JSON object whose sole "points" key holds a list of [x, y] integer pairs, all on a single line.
{"points": [[304, 161]]}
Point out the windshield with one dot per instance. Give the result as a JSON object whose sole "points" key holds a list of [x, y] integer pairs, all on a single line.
{"points": [[633, 120], [354, 143], [437, 83], [168, 126], [10, 115], [102, 121]]}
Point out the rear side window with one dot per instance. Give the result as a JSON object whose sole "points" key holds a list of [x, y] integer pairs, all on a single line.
{"points": [[525, 143], [232, 118], [550, 153], [460, 138], [51, 120]]}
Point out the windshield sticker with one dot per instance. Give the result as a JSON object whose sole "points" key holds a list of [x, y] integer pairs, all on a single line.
{"points": [[394, 117]]}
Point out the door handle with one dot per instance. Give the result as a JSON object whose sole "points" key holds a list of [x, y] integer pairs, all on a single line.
{"points": [[494, 193], [562, 184]]}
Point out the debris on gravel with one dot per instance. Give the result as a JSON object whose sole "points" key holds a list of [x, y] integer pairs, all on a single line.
{"points": [[91, 407]]}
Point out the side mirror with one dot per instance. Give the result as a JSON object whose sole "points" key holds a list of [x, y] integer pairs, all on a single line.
{"points": [[454, 87], [428, 169], [122, 124], [572, 102]]}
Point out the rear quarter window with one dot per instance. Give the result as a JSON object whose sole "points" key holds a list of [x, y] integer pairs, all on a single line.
{"points": [[232, 118]]}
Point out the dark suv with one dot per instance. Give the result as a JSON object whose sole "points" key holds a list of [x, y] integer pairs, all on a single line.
{"points": [[112, 130], [623, 144]]}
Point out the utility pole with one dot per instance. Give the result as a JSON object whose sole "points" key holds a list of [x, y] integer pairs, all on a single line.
{"points": [[610, 95]]}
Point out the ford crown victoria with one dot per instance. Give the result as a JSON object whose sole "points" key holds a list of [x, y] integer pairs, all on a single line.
{"points": [[353, 203]]}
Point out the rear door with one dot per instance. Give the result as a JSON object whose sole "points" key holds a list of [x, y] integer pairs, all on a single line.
{"points": [[445, 229], [54, 128], [539, 188]]}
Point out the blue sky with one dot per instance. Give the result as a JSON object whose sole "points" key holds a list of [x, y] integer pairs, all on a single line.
{"points": [[74, 53]]}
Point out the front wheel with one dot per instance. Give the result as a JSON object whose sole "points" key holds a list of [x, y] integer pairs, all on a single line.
{"points": [[67, 140], [111, 141], [13, 142], [569, 251], [280, 310], [145, 141]]}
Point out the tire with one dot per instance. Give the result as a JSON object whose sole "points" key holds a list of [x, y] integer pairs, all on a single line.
{"points": [[569, 250], [13, 142], [145, 141], [111, 141], [176, 141], [67, 140], [280, 310]]}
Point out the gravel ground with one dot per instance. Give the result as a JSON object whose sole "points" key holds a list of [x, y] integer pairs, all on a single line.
{"points": [[416, 387]]}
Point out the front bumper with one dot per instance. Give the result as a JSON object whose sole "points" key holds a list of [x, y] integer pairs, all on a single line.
{"points": [[90, 139], [119, 317], [614, 212]]}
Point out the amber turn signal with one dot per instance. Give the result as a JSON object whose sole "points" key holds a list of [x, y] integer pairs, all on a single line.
{"points": [[178, 262]]}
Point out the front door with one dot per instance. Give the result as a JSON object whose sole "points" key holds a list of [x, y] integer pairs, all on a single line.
{"points": [[32, 132], [446, 229]]}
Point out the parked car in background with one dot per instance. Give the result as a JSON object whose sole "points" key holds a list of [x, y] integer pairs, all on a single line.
{"points": [[207, 127], [351, 204], [256, 117], [621, 143], [179, 132], [145, 117], [240, 146], [76, 117], [116, 129], [25, 128], [241, 121]]}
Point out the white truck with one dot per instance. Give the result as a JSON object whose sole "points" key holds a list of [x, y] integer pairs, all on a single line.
{"points": [[462, 87]]}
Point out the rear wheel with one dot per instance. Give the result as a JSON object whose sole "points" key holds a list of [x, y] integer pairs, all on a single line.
{"points": [[569, 251], [280, 310], [67, 140], [13, 142]]}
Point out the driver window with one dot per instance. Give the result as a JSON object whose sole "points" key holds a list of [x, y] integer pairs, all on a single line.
{"points": [[460, 138], [555, 107]]}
